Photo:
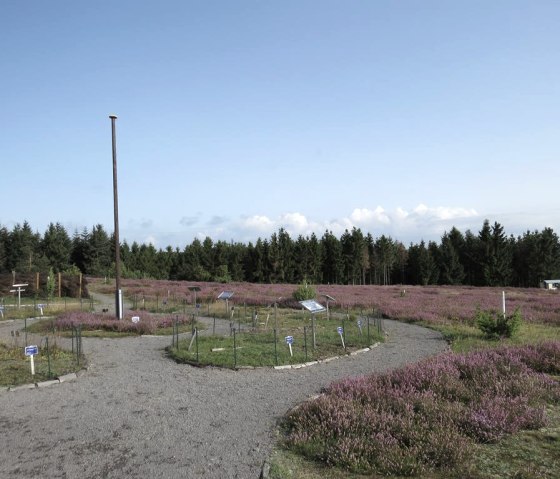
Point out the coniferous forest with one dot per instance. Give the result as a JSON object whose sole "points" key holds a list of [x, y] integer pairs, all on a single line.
{"points": [[487, 258]]}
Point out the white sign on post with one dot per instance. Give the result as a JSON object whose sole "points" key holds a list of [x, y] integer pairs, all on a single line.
{"points": [[360, 326], [289, 342], [135, 319], [341, 332], [31, 351]]}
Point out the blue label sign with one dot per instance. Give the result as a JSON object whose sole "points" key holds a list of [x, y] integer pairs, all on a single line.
{"points": [[340, 330], [289, 340], [31, 350], [359, 322]]}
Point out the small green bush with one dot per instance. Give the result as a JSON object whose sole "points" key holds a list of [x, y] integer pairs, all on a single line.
{"points": [[496, 325], [304, 291]]}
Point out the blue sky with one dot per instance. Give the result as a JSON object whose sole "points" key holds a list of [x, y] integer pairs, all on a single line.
{"points": [[402, 118]]}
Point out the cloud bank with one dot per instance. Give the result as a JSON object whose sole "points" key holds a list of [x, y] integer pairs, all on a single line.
{"points": [[421, 222]]}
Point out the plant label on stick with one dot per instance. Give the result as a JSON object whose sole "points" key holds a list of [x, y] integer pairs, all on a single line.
{"points": [[31, 351], [360, 326], [289, 342], [341, 332]]}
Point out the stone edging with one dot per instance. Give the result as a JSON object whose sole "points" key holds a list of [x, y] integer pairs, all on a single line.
{"points": [[61, 379], [326, 360]]}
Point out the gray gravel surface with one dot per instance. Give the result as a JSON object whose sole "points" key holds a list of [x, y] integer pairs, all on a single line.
{"points": [[136, 414]]}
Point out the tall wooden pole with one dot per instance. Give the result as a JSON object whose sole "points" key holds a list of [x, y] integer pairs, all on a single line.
{"points": [[118, 294]]}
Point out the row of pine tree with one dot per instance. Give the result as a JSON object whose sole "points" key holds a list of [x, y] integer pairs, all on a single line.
{"points": [[489, 258]]}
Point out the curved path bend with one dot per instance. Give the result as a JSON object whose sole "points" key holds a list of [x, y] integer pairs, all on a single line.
{"points": [[136, 414]]}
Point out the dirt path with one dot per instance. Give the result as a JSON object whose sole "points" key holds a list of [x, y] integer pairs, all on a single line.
{"points": [[136, 414]]}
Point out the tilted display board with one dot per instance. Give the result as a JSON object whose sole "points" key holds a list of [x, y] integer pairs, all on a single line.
{"points": [[312, 306]]}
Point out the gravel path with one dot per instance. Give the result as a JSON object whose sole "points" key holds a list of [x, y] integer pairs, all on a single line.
{"points": [[136, 414]]}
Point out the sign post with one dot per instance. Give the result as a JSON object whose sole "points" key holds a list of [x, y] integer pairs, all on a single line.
{"points": [[289, 341], [19, 289], [31, 351], [341, 333], [360, 326], [313, 307]]}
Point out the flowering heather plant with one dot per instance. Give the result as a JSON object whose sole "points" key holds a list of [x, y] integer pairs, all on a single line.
{"points": [[428, 415], [148, 323], [432, 304]]}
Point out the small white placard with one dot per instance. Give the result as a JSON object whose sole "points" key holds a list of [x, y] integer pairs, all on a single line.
{"points": [[135, 319]]}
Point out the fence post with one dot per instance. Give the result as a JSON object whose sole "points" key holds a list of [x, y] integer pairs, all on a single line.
{"points": [[344, 332], [48, 357], [234, 351], [196, 344], [305, 341], [275, 349], [78, 331], [368, 335], [214, 326]]}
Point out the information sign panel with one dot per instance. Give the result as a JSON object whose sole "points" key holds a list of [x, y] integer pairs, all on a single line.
{"points": [[312, 306], [31, 350]]}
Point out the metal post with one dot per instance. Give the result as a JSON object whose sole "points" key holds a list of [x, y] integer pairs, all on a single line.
{"points": [[48, 357], [275, 349], [305, 341], [313, 331], [234, 351], [118, 294], [196, 344]]}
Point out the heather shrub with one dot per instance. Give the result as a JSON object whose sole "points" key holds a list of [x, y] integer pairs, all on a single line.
{"points": [[496, 325], [426, 416], [148, 323]]}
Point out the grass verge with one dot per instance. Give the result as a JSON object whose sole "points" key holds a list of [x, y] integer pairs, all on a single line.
{"points": [[15, 367]]}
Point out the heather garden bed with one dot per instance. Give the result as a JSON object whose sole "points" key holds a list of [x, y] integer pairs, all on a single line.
{"points": [[443, 417], [101, 324]]}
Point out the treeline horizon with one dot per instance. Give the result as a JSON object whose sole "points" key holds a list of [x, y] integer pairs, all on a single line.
{"points": [[487, 258]]}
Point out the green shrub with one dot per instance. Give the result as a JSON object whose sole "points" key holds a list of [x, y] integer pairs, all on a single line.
{"points": [[496, 325], [304, 291]]}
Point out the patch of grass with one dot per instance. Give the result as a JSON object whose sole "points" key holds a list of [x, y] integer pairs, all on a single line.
{"points": [[464, 337], [286, 464], [257, 348], [15, 367]]}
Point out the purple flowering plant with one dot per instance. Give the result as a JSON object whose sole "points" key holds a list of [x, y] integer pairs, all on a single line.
{"points": [[427, 416]]}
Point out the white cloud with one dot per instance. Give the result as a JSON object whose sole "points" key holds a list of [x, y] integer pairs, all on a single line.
{"points": [[444, 212], [365, 216], [294, 222], [258, 223]]}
